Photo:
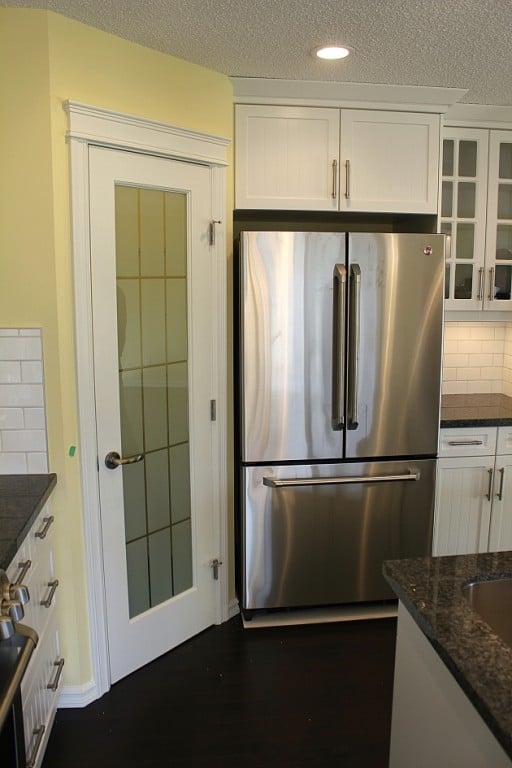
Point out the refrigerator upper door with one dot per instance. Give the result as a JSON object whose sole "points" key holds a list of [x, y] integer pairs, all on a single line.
{"points": [[395, 316], [287, 295]]}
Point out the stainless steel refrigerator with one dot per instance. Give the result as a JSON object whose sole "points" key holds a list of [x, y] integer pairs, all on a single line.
{"points": [[339, 368]]}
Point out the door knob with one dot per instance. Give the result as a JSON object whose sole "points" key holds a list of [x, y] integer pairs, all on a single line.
{"points": [[114, 460]]}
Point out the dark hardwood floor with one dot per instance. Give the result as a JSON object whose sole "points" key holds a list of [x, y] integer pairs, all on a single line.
{"points": [[291, 697]]}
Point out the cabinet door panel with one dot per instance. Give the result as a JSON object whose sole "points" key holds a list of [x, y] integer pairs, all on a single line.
{"points": [[498, 294], [500, 531], [287, 158], [463, 210], [394, 158], [462, 505]]}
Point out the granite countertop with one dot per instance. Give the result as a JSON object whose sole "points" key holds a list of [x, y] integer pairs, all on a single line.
{"points": [[21, 499], [431, 590], [486, 410]]}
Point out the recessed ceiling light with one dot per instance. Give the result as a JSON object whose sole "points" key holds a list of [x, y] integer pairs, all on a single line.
{"points": [[332, 52]]}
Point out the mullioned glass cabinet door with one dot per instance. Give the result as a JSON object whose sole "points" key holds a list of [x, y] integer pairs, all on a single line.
{"points": [[498, 292], [463, 215]]}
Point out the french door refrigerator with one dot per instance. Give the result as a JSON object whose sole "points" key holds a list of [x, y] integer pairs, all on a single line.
{"points": [[339, 369]]}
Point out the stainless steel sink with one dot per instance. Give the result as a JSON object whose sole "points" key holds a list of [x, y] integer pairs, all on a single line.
{"points": [[492, 600]]}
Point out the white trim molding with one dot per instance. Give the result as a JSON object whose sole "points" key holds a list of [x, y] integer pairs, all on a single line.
{"points": [[479, 116], [255, 90], [106, 128], [100, 127]]}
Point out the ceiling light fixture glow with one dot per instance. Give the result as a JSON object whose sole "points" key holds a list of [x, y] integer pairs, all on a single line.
{"points": [[332, 52]]}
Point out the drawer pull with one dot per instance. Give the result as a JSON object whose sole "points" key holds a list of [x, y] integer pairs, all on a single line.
{"points": [[53, 587], [44, 530], [54, 684], [25, 567], [465, 442], [38, 733]]}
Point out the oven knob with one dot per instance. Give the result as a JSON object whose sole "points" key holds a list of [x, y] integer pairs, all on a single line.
{"points": [[13, 609], [6, 627], [20, 593]]}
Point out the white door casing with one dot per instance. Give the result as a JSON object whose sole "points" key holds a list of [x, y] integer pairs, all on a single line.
{"points": [[89, 126]]}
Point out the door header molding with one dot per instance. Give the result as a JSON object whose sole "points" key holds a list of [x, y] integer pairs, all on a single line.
{"points": [[107, 128]]}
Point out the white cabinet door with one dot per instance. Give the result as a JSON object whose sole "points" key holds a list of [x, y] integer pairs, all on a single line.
{"points": [[389, 161], [500, 531], [286, 158], [463, 213], [463, 505], [498, 293]]}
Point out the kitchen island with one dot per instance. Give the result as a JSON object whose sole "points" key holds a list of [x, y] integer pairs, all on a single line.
{"points": [[452, 700]]}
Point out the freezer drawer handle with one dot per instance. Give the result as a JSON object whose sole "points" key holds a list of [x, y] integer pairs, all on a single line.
{"points": [[274, 482]]}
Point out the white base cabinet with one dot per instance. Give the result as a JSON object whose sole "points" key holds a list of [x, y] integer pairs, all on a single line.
{"points": [[329, 159], [433, 722], [474, 481], [34, 567]]}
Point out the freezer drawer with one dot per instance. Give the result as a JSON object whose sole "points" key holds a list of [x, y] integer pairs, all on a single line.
{"points": [[318, 535]]}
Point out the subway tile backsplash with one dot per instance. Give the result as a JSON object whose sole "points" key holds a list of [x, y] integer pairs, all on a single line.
{"points": [[23, 443], [477, 357]]}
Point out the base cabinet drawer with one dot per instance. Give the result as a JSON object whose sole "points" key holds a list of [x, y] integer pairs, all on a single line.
{"points": [[39, 693]]}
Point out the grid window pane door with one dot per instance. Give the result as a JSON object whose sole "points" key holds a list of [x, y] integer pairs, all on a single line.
{"points": [[151, 273]]}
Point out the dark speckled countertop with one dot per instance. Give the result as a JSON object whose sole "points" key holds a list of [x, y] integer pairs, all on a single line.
{"points": [[484, 410], [21, 499], [431, 590]]}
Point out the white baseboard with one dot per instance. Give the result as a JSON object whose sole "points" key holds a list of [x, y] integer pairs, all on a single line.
{"points": [[77, 696], [233, 609]]}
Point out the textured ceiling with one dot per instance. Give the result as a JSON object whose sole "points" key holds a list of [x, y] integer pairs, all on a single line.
{"points": [[448, 43]]}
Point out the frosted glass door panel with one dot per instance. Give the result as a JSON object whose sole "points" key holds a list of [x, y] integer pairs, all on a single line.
{"points": [[151, 269]]}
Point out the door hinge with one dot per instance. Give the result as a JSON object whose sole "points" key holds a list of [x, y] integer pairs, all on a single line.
{"points": [[213, 410], [213, 222], [214, 564]]}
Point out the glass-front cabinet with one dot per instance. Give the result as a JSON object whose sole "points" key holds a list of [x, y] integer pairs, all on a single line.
{"points": [[499, 220], [476, 212]]}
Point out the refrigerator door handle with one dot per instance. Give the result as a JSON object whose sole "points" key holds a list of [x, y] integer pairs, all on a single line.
{"points": [[338, 346], [353, 349], [275, 482]]}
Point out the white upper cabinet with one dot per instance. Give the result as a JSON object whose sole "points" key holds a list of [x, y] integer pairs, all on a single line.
{"points": [[476, 211], [287, 158], [389, 161], [330, 159]]}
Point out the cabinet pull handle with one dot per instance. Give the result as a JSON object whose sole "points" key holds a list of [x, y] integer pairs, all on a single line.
{"points": [[44, 530], [502, 478], [480, 293], [39, 733], [489, 489], [347, 179], [25, 567], [334, 179], [54, 684], [53, 586], [465, 442], [491, 284]]}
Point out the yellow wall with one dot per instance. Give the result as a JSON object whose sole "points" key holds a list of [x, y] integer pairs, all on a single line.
{"points": [[46, 59]]}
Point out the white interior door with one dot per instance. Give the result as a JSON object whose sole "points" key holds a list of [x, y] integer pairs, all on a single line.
{"points": [[152, 335]]}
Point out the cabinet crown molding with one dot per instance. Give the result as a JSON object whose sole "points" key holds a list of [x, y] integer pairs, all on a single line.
{"points": [[255, 90], [479, 116]]}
